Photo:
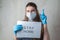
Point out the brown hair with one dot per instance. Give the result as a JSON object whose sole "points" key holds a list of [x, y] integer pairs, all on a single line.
{"points": [[37, 19]]}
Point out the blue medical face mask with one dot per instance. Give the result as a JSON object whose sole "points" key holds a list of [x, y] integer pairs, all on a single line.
{"points": [[31, 15]]}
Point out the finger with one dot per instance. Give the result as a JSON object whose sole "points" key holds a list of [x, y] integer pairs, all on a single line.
{"points": [[42, 12]]}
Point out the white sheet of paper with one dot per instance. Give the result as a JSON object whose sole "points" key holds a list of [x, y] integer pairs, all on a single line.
{"points": [[30, 29]]}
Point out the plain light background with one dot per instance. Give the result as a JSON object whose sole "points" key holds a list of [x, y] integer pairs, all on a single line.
{"points": [[13, 10]]}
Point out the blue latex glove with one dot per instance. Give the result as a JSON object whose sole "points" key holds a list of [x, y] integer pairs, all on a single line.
{"points": [[17, 28], [43, 17]]}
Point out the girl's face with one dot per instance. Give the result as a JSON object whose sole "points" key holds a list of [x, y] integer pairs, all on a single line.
{"points": [[30, 9], [30, 12]]}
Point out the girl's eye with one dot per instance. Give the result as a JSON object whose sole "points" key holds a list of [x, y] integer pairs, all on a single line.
{"points": [[27, 10], [30, 11], [33, 10]]}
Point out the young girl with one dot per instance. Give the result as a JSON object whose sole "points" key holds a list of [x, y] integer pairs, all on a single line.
{"points": [[32, 14]]}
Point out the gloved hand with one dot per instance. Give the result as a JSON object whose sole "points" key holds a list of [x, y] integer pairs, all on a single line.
{"points": [[43, 17], [17, 28]]}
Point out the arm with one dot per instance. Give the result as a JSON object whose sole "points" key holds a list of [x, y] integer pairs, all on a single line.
{"points": [[44, 22], [16, 29], [46, 34], [15, 38]]}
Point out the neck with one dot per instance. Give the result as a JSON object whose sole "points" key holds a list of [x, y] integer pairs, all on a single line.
{"points": [[30, 20]]}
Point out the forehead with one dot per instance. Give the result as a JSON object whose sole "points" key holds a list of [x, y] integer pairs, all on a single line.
{"points": [[30, 8]]}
